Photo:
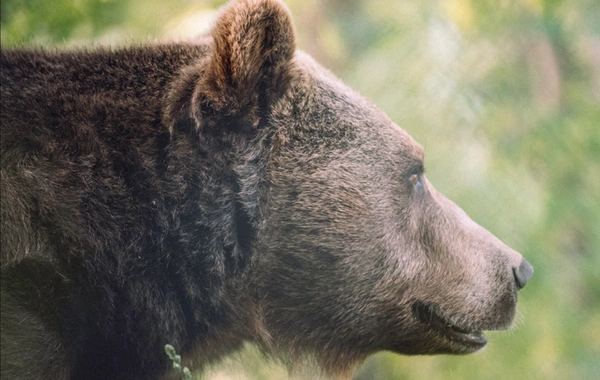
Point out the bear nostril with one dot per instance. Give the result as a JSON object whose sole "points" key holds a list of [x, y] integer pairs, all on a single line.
{"points": [[523, 273]]}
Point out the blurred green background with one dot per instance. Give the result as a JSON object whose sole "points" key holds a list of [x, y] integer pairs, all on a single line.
{"points": [[505, 97]]}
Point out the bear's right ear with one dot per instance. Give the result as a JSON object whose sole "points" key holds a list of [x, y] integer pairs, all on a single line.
{"points": [[248, 67]]}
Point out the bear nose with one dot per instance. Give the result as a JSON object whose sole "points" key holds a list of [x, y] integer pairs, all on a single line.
{"points": [[523, 273]]}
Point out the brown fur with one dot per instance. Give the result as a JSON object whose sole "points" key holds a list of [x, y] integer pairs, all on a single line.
{"points": [[234, 190]]}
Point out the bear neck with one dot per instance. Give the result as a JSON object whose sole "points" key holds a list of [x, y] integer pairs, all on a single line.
{"points": [[216, 209]]}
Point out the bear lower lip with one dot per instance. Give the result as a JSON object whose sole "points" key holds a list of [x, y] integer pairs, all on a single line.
{"points": [[470, 340]]}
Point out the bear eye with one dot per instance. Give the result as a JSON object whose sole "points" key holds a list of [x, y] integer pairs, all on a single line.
{"points": [[414, 179]]}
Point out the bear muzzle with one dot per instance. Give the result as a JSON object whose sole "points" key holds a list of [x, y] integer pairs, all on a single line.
{"points": [[461, 339]]}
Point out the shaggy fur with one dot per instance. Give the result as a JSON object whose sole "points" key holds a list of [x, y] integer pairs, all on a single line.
{"points": [[228, 191]]}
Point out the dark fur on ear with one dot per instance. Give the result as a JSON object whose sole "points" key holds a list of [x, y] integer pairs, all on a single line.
{"points": [[247, 69]]}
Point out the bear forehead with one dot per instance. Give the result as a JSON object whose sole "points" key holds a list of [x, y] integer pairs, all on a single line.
{"points": [[350, 113]]}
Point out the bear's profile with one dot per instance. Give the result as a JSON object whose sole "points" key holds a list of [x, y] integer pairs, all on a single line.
{"points": [[222, 192]]}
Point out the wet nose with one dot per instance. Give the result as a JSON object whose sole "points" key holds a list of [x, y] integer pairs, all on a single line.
{"points": [[523, 273]]}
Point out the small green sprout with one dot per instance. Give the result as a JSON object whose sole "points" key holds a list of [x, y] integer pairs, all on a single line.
{"points": [[172, 354]]}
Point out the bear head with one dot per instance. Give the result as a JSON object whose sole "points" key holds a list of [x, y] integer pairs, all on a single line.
{"points": [[353, 249]]}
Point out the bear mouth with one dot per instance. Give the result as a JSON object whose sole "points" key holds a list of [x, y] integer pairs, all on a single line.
{"points": [[469, 340]]}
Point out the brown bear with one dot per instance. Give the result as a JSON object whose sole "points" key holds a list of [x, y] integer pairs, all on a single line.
{"points": [[222, 192]]}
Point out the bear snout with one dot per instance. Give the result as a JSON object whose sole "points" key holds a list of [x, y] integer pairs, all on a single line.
{"points": [[523, 273]]}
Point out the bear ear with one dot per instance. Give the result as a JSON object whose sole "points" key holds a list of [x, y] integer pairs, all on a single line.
{"points": [[249, 66]]}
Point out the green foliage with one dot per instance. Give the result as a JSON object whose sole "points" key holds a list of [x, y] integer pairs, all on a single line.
{"points": [[59, 20], [176, 359], [505, 97]]}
